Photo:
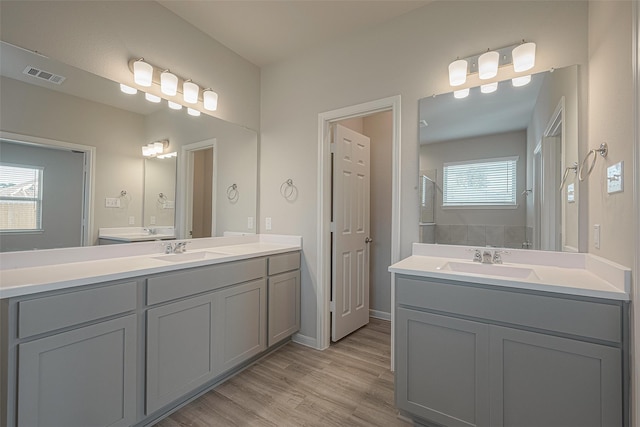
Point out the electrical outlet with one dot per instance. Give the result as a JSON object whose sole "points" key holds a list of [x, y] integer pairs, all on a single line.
{"points": [[132, 220], [596, 235], [111, 202], [152, 220], [250, 223], [267, 223]]}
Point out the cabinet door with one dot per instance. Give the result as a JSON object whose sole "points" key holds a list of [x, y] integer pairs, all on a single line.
{"points": [[180, 349], [284, 306], [543, 380], [240, 321], [442, 368], [84, 377]]}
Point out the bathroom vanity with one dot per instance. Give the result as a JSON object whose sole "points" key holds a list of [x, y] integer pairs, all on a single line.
{"points": [[541, 340], [103, 340]]}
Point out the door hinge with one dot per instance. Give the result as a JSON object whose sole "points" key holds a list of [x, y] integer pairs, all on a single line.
{"points": [[332, 306], [332, 227]]}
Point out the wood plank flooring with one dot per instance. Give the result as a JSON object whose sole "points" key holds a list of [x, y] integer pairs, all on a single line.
{"points": [[349, 384]]}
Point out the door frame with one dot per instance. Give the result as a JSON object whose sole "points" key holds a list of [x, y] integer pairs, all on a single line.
{"points": [[86, 235], [185, 184], [323, 272]]}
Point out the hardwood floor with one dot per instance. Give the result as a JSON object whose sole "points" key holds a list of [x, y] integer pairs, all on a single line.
{"points": [[349, 384]]}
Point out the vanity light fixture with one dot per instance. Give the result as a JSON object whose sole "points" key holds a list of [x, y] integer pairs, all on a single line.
{"points": [[168, 155], [489, 87], [192, 112], [458, 72], [190, 92], [521, 81], [142, 73], [168, 83], [488, 65], [154, 149], [152, 98], [128, 89], [210, 99], [524, 57], [462, 93]]}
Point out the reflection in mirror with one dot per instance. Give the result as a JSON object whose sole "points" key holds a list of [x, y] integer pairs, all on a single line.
{"points": [[88, 111], [159, 192], [519, 205]]}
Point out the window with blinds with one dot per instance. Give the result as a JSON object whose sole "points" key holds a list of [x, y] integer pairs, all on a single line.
{"points": [[20, 198], [478, 183]]}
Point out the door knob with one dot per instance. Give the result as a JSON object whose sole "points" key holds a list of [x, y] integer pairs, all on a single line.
{"points": [[368, 240]]}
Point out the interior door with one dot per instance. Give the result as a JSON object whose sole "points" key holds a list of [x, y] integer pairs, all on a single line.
{"points": [[350, 232], [551, 238]]}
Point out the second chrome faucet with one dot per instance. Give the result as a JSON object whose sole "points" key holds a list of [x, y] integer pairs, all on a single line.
{"points": [[487, 257]]}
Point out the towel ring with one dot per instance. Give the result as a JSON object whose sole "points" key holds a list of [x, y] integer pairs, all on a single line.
{"points": [[573, 168], [603, 151], [288, 189], [232, 192]]}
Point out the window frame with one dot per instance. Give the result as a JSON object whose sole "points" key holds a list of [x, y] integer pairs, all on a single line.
{"points": [[38, 200], [513, 204]]}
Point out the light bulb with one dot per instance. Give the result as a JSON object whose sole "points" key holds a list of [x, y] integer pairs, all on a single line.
{"points": [[168, 83], [192, 112], [128, 89], [152, 98], [489, 87], [462, 93], [524, 57], [521, 81], [458, 72], [210, 100], [174, 105], [488, 65], [190, 92], [158, 147], [142, 73]]}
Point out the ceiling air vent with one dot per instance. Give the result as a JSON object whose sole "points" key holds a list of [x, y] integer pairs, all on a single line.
{"points": [[44, 75]]}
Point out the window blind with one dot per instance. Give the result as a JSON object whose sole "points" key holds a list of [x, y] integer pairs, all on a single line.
{"points": [[20, 198], [486, 182]]}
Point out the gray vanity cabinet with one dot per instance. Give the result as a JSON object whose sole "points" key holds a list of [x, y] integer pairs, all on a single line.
{"points": [[180, 349], [475, 355], [543, 380], [284, 296], [240, 322]]}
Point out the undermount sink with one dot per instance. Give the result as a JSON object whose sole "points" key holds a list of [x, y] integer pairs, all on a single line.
{"points": [[490, 269], [190, 256]]}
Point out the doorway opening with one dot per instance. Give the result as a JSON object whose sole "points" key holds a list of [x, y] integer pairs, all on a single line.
{"points": [[198, 176], [325, 197]]}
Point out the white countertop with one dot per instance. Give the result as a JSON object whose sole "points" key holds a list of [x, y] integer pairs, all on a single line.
{"points": [[25, 273], [566, 273]]}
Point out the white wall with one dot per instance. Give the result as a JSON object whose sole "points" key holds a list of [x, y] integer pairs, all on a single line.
{"points": [[407, 56], [102, 36]]}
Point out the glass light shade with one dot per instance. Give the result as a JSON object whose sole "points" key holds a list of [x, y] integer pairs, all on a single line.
{"points": [[168, 83], [521, 81], [489, 87], [146, 151], [152, 98], [524, 57], [158, 147], [192, 112], [128, 89], [174, 105], [462, 93], [210, 100], [142, 73], [190, 92], [488, 65], [458, 72]]}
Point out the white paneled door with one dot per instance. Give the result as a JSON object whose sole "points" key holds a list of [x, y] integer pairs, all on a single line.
{"points": [[350, 231]]}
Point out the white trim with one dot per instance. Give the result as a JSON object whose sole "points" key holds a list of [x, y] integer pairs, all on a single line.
{"points": [[87, 235], [305, 340], [323, 273], [185, 184], [635, 292], [377, 314]]}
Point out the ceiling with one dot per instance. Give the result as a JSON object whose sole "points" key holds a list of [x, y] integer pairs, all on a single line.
{"points": [[267, 31]]}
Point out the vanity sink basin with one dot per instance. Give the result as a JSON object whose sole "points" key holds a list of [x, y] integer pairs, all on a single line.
{"points": [[190, 256], [490, 269]]}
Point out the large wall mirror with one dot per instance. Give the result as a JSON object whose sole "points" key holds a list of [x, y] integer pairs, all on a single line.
{"points": [[90, 117], [492, 165]]}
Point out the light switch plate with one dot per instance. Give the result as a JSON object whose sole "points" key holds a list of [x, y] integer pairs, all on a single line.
{"points": [[571, 193], [596, 235], [112, 202], [267, 223], [132, 220], [615, 178]]}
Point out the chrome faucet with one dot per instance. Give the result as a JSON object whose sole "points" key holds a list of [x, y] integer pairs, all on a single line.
{"points": [[497, 256], [150, 230], [487, 258], [175, 248], [477, 255]]}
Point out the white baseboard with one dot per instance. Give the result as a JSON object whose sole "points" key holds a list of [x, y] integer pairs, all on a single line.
{"points": [[379, 314], [306, 341]]}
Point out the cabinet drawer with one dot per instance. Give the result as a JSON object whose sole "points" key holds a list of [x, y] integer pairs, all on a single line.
{"points": [[181, 284], [284, 262], [588, 319], [49, 313]]}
